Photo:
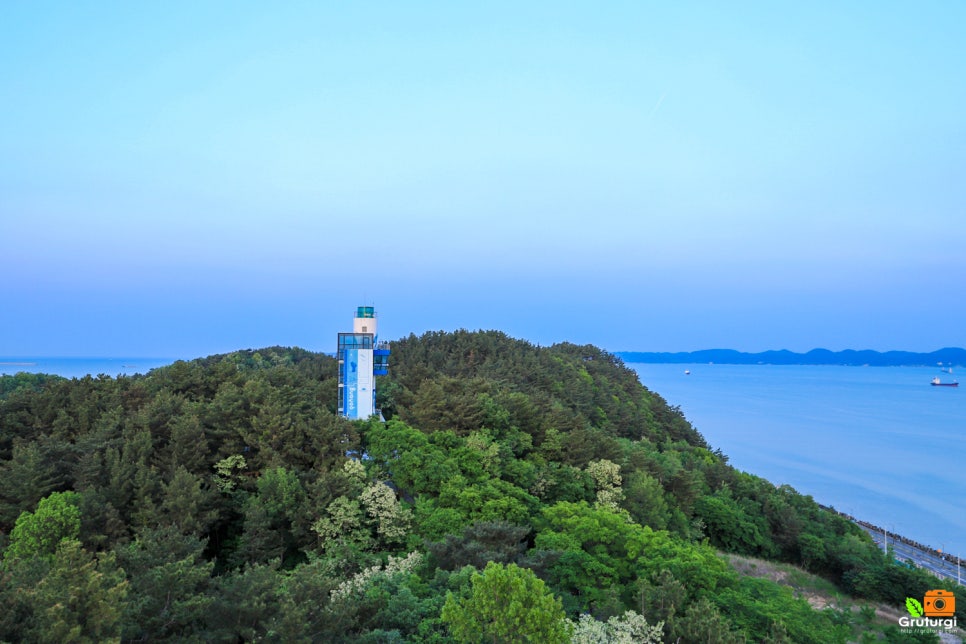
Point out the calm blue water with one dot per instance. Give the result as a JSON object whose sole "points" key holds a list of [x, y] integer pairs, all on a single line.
{"points": [[877, 442], [80, 367]]}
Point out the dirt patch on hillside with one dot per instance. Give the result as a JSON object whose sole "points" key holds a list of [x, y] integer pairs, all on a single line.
{"points": [[818, 602], [777, 572], [819, 593]]}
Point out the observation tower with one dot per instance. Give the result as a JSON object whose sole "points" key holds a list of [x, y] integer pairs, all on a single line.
{"points": [[361, 358]]}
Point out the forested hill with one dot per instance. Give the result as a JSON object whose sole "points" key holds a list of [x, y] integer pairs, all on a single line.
{"points": [[949, 356], [515, 493]]}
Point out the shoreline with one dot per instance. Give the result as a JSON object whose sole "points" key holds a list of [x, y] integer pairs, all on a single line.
{"points": [[913, 553], [871, 526]]}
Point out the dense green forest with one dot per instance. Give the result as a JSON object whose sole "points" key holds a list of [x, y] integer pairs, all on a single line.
{"points": [[514, 493]]}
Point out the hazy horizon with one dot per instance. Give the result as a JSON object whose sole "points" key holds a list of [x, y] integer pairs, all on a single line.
{"points": [[6, 358], [190, 179]]}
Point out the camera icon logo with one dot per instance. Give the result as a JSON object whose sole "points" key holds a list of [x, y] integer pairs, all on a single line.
{"points": [[939, 603]]}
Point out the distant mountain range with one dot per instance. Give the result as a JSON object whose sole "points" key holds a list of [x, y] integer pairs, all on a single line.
{"points": [[948, 357]]}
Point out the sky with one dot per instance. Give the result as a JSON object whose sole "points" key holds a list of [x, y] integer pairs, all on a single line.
{"points": [[180, 179]]}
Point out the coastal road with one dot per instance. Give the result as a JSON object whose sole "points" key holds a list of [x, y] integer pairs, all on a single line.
{"points": [[925, 559]]}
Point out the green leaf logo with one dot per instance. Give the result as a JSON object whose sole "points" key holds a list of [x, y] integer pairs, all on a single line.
{"points": [[914, 607]]}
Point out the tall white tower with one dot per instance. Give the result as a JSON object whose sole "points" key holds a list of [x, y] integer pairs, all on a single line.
{"points": [[361, 358]]}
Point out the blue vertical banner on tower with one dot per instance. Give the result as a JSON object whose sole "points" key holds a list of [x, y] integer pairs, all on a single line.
{"points": [[351, 383]]}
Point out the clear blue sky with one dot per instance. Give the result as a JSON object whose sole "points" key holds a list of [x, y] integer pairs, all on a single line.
{"points": [[185, 178]]}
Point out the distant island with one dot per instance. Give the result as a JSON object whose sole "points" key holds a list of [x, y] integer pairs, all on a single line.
{"points": [[949, 357]]}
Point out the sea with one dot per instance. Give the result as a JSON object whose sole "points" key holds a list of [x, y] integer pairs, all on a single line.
{"points": [[80, 367], [878, 443]]}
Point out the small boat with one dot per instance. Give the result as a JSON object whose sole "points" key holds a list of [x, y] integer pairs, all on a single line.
{"points": [[938, 383], [687, 372]]}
